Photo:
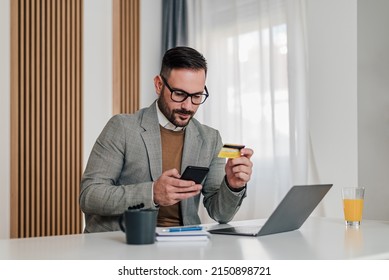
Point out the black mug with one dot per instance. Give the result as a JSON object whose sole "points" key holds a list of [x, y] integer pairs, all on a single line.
{"points": [[139, 225]]}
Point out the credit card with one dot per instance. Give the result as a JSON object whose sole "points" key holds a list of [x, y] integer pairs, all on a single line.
{"points": [[230, 151]]}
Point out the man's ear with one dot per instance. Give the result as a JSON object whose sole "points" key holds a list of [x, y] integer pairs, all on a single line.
{"points": [[158, 84]]}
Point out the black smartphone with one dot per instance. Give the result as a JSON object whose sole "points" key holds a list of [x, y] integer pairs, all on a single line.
{"points": [[195, 173]]}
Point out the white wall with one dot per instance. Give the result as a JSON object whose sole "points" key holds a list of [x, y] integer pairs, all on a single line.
{"points": [[97, 70], [151, 42], [349, 100], [332, 93], [373, 106], [4, 118]]}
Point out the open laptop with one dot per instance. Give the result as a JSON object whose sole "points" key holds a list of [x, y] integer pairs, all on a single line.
{"points": [[289, 215]]}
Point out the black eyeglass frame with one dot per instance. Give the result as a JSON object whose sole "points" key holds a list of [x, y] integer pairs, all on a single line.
{"points": [[206, 94]]}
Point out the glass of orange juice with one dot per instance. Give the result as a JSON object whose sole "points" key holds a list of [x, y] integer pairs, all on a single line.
{"points": [[353, 205]]}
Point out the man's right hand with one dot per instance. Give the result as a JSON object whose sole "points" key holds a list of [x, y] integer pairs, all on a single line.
{"points": [[169, 189]]}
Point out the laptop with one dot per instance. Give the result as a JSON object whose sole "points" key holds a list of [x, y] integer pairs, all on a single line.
{"points": [[289, 215]]}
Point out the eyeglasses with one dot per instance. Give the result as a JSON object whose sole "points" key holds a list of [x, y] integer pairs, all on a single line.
{"points": [[180, 95]]}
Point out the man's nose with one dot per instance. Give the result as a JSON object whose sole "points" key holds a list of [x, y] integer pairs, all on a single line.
{"points": [[187, 104]]}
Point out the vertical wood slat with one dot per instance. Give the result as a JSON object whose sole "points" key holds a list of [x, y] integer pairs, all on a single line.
{"points": [[46, 95], [54, 82], [135, 53], [125, 56], [27, 104], [78, 133], [16, 85], [47, 78], [62, 120], [125, 52], [57, 116], [72, 113], [43, 117]]}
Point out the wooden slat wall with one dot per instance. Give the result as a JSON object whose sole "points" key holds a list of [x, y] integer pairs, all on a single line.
{"points": [[46, 117], [125, 56]]}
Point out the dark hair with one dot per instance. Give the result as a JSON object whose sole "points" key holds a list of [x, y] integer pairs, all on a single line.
{"points": [[182, 58]]}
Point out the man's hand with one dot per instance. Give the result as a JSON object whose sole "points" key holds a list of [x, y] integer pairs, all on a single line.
{"points": [[238, 170], [169, 189]]}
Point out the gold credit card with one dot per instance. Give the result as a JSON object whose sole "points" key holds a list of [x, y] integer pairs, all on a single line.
{"points": [[230, 151]]}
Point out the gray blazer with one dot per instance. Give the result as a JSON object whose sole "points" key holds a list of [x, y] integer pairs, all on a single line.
{"points": [[127, 158]]}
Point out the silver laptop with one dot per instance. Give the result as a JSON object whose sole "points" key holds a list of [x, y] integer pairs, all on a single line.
{"points": [[289, 215]]}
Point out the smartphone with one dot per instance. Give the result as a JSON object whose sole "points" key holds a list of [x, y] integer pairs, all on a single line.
{"points": [[195, 173]]}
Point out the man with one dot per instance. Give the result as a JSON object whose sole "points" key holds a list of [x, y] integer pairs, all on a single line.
{"points": [[137, 159]]}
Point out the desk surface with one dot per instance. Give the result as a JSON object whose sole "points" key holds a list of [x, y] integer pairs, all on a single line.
{"points": [[318, 238]]}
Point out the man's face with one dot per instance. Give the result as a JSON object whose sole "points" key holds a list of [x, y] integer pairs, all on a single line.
{"points": [[179, 113]]}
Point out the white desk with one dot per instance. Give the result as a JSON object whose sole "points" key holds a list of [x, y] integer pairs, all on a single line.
{"points": [[318, 238]]}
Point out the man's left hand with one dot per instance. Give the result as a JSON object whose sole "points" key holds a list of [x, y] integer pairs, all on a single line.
{"points": [[238, 170]]}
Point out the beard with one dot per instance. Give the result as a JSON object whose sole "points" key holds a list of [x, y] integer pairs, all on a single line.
{"points": [[174, 115]]}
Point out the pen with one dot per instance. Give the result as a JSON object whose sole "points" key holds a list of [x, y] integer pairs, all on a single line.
{"points": [[178, 229]]}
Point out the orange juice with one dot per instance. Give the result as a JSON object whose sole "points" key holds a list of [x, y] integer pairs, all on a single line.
{"points": [[353, 209]]}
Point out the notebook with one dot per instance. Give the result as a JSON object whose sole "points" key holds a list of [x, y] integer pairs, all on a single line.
{"points": [[289, 215], [196, 235]]}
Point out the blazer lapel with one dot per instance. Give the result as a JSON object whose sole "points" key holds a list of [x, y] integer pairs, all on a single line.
{"points": [[192, 146], [190, 156], [152, 139]]}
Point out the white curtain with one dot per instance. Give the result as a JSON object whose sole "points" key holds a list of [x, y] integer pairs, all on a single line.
{"points": [[256, 57]]}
